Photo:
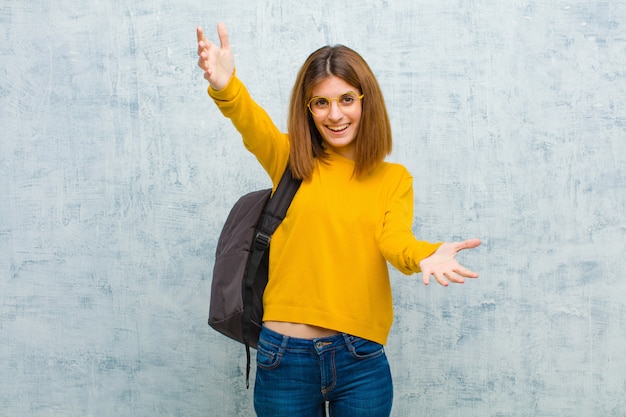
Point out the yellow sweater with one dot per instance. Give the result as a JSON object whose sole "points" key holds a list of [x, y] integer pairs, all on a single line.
{"points": [[328, 257]]}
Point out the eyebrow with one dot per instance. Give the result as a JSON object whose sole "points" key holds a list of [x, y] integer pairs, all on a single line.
{"points": [[342, 94]]}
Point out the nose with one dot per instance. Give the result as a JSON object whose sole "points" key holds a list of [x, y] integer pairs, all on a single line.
{"points": [[335, 111]]}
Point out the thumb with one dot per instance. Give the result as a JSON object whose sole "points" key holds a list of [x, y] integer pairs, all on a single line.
{"points": [[222, 32], [467, 244]]}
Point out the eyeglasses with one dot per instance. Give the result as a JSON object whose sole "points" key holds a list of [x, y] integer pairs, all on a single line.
{"points": [[320, 106]]}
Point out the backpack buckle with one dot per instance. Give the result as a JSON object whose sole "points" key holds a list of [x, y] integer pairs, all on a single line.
{"points": [[262, 240]]}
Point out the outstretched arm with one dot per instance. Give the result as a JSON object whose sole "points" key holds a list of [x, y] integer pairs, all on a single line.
{"points": [[217, 62], [443, 265]]}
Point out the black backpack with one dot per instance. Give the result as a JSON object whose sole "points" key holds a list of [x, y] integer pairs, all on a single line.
{"points": [[241, 263]]}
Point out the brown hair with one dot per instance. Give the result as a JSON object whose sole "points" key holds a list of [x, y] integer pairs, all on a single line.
{"points": [[373, 140]]}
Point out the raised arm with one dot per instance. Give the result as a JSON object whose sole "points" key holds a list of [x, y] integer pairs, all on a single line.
{"points": [[217, 62]]}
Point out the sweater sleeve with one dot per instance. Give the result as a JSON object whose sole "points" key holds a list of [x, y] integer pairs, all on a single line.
{"points": [[259, 133], [397, 242]]}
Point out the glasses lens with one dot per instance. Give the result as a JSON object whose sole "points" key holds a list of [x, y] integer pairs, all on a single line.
{"points": [[320, 106], [347, 101]]}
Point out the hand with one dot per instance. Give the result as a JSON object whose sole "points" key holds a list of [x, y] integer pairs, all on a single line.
{"points": [[217, 63], [443, 265]]}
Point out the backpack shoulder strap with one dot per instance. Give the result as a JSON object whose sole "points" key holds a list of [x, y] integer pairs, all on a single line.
{"points": [[272, 215], [277, 206]]}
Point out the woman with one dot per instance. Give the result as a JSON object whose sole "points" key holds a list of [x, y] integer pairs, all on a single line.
{"points": [[328, 305]]}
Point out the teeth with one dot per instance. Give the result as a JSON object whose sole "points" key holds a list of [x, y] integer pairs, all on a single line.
{"points": [[338, 128]]}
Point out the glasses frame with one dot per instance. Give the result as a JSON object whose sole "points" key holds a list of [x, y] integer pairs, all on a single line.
{"points": [[330, 100]]}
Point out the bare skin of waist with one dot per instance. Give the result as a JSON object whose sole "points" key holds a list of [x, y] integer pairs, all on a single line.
{"points": [[298, 330]]}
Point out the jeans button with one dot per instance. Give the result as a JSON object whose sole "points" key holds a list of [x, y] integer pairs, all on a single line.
{"points": [[320, 344]]}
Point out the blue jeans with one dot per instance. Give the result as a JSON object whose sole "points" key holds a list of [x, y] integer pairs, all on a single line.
{"points": [[296, 377]]}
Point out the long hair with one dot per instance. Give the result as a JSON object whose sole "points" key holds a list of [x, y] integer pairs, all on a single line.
{"points": [[373, 140]]}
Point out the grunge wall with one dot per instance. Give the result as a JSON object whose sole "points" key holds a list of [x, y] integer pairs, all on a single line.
{"points": [[117, 172]]}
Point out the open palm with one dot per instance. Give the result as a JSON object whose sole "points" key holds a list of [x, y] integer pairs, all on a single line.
{"points": [[217, 62], [443, 264]]}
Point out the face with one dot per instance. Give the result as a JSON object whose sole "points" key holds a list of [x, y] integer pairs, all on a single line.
{"points": [[340, 124]]}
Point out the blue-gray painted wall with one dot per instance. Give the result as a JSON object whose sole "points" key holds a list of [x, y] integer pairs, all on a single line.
{"points": [[117, 171]]}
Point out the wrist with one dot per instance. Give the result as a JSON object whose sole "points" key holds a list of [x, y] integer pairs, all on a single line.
{"points": [[221, 85]]}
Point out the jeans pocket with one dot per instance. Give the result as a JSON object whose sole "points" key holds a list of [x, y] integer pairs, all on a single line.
{"points": [[268, 356], [364, 349]]}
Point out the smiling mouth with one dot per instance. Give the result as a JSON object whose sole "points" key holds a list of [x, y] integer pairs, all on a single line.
{"points": [[338, 128]]}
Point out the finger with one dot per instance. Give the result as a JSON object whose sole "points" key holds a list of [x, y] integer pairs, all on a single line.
{"points": [[203, 43], [454, 277], [202, 60], [203, 54], [467, 244], [440, 278], [222, 32], [200, 34], [203, 65], [201, 49], [461, 270]]}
